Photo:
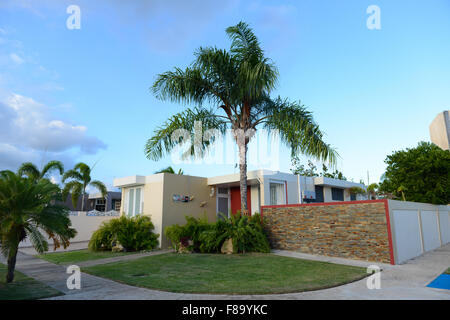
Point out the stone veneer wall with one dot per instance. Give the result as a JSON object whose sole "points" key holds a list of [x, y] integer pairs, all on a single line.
{"points": [[351, 230]]}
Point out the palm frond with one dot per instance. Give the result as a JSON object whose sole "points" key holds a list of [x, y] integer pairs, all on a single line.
{"points": [[52, 165], [100, 186], [36, 238], [298, 130], [163, 140], [72, 174], [30, 170]]}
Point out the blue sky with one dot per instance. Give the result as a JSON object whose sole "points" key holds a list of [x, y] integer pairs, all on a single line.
{"points": [[83, 95]]}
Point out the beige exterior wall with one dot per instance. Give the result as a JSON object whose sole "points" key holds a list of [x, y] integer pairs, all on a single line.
{"points": [[175, 212], [440, 130], [158, 191], [85, 226]]}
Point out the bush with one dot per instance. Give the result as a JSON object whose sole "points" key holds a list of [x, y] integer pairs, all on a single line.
{"points": [[246, 232], [188, 233], [134, 234]]}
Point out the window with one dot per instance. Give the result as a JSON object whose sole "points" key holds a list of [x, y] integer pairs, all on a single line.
{"points": [[100, 204], [222, 190], [134, 203], [116, 205], [276, 193], [352, 196], [337, 194], [319, 193]]}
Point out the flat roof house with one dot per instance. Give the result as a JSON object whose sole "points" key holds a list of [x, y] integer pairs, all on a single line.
{"points": [[168, 198]]}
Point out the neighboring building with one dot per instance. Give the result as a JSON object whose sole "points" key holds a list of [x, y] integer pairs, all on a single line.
{"points": [[168, 198], [95, 201], [440, 130]]}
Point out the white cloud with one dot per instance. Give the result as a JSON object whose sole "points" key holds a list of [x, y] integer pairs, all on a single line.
{"points": [[16, 59], [27, 130]]}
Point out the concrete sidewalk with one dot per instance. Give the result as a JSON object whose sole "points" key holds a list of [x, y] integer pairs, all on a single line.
{"points": [[406, 281]]}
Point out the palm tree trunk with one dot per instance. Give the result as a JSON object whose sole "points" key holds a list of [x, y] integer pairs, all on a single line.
{"points": [[82, 201], [243, 176], [11, 265]]}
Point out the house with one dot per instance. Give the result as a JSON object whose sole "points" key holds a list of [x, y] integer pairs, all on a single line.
{"points": [[168, 198], [95, 201], [440, 130]]}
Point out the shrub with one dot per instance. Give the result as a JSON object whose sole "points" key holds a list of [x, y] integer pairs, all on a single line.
{"points": [[134, 234], [103, 238], [246, 232], [188, 232]]}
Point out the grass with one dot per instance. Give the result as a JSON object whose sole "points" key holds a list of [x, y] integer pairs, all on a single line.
{"points": [[447, 271], [23, 287], [228, 274], [71, 257]]}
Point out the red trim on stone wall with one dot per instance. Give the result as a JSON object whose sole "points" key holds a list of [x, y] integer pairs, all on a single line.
{"points": [[321, 204], [388, 222]]}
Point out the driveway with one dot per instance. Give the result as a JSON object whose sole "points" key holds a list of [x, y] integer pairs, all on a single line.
{"points": [[407, 281]]}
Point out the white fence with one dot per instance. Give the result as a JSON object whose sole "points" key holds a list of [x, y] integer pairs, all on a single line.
{"points": [[85, 223], [417, 228]]}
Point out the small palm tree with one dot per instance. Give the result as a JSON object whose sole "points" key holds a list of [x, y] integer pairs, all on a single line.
{"points": [[237, 84], [26, 208], [170, 170], [31, 171], [80, 178], [372, 190], [402, 190]]}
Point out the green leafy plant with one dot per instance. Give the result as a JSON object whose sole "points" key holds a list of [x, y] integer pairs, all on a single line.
{"points": [[132, 233], [189, 232], [246, 232]]}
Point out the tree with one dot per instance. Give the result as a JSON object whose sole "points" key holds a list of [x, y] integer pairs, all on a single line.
{"points": [[31, 171], [237, 84], [80, 178], [170, 170], [336, 174], [420, 174], [28, 207], [299, 168], [372, 190]]}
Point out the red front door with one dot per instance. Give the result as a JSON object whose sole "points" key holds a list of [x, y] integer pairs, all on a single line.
{"points": [[235, 194]]}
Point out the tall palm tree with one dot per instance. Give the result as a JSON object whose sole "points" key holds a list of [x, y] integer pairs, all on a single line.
{"points": [[237, 84], [80, 178], [27, 207], [169, 169], [31, 171]]}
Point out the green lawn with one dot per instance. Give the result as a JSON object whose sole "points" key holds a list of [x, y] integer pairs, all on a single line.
{"points": [[228, 274], [71, 257], [23, 287]]}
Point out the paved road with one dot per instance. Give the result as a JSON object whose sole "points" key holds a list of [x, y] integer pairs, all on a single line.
{"points": [[406, 281]]}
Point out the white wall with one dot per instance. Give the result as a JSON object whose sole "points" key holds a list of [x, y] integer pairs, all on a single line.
{"points": [[417, 228], [85, 226]]}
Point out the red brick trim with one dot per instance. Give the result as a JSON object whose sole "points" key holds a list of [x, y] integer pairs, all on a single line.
{"points": [[388, 222], [321, 204]]}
